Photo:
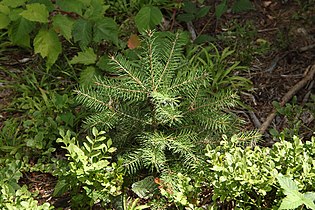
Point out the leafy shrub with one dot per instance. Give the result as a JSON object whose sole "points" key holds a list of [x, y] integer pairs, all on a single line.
{"points": [[13, 196], [90, 166], [248, 175], [80, 21], [294, 198], [159, 105], [45, 110]]}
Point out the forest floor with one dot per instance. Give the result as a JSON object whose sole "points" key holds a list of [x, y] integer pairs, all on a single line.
{"points": [[288, 31]]}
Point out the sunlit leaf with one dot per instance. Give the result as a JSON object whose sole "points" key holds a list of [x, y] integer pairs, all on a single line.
{"points": [[36, 12], [47, 44]]}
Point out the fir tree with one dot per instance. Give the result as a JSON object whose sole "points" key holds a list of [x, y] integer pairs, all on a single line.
{"points": [[160, 108]]}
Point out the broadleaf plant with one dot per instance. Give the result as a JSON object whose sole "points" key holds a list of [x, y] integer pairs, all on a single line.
{"points": [[46, 23]]}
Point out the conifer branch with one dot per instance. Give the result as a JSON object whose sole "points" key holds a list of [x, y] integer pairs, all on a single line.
{"points": [[168, 60], [119, 88], [137, 80]]}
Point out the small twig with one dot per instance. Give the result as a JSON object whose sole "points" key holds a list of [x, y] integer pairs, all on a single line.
{"points": [[191, 30], [305, 48], [307, 95], [309, 76], [255, 119]]}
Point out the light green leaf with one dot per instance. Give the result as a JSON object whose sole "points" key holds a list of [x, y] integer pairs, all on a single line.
{"points": [[15, 14], [308, 200], [82, 32], [19, 32], [48, 3], [287, 184], [63, 25], [36, 12], [291, 202], [220, 9], [70, 6], [94, 131], [96, 10], [144, 188], [13, 3], [4, 9], [106, 29], [148, 17], [86, 57], [4, 21], [47, 44]]}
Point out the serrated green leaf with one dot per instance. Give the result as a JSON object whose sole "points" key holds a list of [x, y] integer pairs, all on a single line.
{"points": [[70, 6], [82, 32], [19, 32], [63, 25], [87, 76], [145, 187], [13, 3], [96, 10], [4, 21], [220, 9], [190, 7], [148, 17], [36, 12], [287, 184], [241, 6], [106, 29], [48, 3], [86, 57], [291, 202], [308, 200], [15, 14], [47, 44]]}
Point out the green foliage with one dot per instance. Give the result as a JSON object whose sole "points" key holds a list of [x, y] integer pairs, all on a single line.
{"points": [[145, 188], [295, 117], [244, 39], [248, 175], [192, 11], [13, 196], [159, 106], [294, 198], [46, 22], [90, 166], [181, 190], [148, 17], [238, 6]]}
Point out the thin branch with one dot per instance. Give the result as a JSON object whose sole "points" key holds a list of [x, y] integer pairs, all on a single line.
{"points": [[119, 88], [309, 76]]}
